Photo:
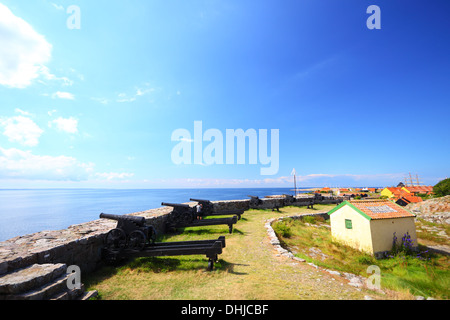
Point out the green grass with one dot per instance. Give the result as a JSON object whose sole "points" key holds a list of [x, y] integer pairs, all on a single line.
{"points": [[427, 275]]}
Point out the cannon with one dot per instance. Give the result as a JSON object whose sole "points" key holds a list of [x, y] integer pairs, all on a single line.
{"points": [[183, 216], [130, 232], [133, 238], [288, 199], [254, 201], [207, 209]]}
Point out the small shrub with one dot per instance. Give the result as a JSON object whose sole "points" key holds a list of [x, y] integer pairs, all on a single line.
{"points": [[282, 229], [309, 219], [367, 260]]}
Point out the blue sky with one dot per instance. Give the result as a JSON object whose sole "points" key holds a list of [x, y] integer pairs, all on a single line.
{"points": [[97, 106]]}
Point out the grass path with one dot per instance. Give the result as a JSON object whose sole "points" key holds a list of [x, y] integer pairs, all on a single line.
{"points": [[248, 269]]}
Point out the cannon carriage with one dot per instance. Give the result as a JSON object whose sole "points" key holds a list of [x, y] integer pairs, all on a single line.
{"points": [[133, 238], [130, 232], [207, 209], [183, 216]]}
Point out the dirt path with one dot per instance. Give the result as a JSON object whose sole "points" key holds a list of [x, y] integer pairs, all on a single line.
{"points": [[265, 274]]}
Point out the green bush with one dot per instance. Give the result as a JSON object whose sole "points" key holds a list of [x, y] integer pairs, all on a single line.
{"points": [[309, 219], [367, 260], [282, 229], [442, 188]]}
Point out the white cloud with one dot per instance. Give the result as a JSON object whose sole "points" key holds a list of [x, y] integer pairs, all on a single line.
{"points": [[19, 164], [63, 95], [57, 6], [101, 100], [23, 51], [131, 99], [22, 130], [45, 72], [114, 175], [22, 112], [123, 97], [69, 125]]}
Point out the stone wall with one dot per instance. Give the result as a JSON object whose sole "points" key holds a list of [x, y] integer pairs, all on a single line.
{"points": [[81, 244], [77, 245]]}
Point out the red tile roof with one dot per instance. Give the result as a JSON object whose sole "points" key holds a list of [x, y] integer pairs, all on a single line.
{"points": [[420, 189], [381, 209], [410, 198]]}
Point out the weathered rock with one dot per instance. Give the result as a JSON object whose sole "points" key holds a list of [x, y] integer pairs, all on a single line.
{"points": [[30, 277], [436, 210]]}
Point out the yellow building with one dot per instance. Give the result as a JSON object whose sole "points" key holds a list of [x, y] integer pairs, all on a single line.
{"points": [[369, 225], [390, 192]]}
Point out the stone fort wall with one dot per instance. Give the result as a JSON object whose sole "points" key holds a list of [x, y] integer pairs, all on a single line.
{"points": [[81, 244]]}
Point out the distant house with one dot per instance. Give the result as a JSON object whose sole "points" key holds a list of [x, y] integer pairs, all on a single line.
{"points": [[406, 199], [401, 195], [418, 189], [369, 225], [391, 192]]}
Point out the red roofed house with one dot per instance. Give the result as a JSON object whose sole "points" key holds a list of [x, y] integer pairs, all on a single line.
{"points": [[369, 225], [391, 192], [418, 189], [407, 198]]}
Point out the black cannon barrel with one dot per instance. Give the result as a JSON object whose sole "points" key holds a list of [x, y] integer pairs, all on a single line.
{"points": [[199, 200], [138, 220], [175, 205]]}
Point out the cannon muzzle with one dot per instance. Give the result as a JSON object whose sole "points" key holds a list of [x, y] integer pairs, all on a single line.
{"points": [[198, 200], [138, 220], [175, 205]]}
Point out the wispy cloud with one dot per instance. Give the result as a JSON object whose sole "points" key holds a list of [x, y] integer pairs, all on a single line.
{"points": [[123, 97], [63, 95], [126, 97], [114, 175], [57, 6], [22, 112], [101, 100], [47, 75], [314, 68], [19, 164]]}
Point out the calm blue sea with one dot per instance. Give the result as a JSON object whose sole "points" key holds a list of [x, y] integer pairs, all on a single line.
{"points": [[28, 211]]}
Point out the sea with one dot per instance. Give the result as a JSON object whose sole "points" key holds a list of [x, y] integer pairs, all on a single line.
{"points": [[26, 211]]}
